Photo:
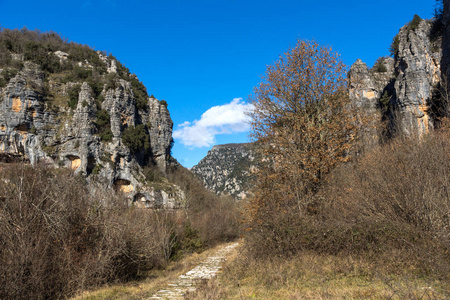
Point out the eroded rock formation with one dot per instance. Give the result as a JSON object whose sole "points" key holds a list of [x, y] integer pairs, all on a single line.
{"points": [[366, 89], [38, 126], [401, 89]]}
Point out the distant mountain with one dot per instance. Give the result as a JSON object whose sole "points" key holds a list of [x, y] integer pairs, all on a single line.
{"points": [[228, 169]]}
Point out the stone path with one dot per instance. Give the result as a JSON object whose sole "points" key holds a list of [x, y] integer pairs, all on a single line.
{"points": [[204, 271]]}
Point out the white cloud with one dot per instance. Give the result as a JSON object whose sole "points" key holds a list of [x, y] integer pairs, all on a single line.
{"points": [[223, 119]]}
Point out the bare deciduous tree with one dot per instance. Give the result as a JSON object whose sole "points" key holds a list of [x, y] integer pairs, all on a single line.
{"points": [[303, 124]]}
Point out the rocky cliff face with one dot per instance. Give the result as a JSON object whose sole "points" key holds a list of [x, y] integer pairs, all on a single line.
{"points": [[95, 134], [401, 89], [417, 68], [367, 88], [228, 169]]}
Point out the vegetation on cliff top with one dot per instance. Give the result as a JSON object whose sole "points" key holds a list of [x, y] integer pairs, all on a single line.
{"points": [[71, 66], [81, 64]]}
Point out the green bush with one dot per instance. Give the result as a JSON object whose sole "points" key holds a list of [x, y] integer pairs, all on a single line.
{"points": [[136, 138], [73, 96], [393, 49], [80, 74], [385, 102], [379, 66], [103, 124], [140, 93], [32, 130], [152, 173], [111, 82], [97, 87], [414, 24], [6, 75]]}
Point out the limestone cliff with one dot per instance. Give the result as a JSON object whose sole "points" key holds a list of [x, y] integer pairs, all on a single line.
{"points": [[367, 89], [401, 89], [84, 111], [228, 169], [417, 68]]}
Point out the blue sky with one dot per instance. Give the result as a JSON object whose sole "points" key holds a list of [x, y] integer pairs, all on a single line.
{"points": [[205, 57]]}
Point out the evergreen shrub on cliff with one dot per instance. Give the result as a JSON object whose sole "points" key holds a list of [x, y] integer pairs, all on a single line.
{"points": [[103, 124], [136, 138], [73, 96]]}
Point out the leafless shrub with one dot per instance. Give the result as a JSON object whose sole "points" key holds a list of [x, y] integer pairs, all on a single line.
{"points": [[57, 239], [210, 218], [396, 197], [391, 205]]}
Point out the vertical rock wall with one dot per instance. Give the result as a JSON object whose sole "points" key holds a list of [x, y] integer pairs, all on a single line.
{"points": [[407, 84], [418, 72], [366, 87]]}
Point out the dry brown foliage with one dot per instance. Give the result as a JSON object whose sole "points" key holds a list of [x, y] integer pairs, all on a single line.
{"points": [[391, 206], [304, 126], [56, 238], [209, 217], [303, 121], [400, 191], [390, 203]]}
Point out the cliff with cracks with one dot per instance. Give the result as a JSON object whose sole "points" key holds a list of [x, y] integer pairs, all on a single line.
{"points": [[66, 105], [402, 91]]}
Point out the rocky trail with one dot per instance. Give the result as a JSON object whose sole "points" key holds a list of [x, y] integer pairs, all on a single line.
{"points": [[204, 271]]}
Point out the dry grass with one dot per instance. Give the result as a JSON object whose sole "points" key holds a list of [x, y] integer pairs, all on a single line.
{"points": [[155, 280], [312, 276]]}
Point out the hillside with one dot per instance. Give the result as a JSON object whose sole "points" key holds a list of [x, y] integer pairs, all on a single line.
{"points": [[228, 169], [66, 105]]}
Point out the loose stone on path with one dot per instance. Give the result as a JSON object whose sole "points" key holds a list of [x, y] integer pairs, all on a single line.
{"points": [[204, 271]]}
